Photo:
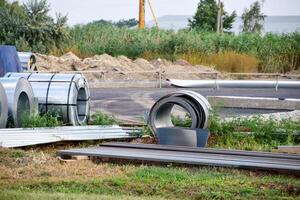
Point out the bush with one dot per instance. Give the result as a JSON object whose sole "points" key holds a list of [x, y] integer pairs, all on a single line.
{"points": [[241, 53]]}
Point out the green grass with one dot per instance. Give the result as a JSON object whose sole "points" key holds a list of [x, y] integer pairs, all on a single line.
{"points": [[168, 183], [16, 195], [267, 53], [44, 120], [100, 118], [266, 134]]}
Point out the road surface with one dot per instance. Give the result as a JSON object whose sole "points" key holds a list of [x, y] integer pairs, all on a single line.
{"points": [[133, 103]]}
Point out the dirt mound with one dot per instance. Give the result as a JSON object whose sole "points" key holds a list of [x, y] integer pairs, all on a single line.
{"points": [[106, 67]]}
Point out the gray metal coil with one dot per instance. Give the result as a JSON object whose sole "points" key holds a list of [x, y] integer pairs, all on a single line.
{"points": [[195, 104], [64, 94], [20, 99], [27, 59], [3, 107]]}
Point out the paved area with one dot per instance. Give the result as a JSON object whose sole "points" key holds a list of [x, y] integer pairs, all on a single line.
{"points": [[133, 103]]}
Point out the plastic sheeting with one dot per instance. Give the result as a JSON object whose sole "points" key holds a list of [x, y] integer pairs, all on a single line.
{"points": [[64, 94], [9, 60]]}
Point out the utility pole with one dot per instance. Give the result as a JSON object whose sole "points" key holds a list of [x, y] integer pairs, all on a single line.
{"points": [[142, 15], [219, 17]]}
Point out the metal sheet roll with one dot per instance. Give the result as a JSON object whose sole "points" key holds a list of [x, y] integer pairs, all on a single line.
{"points": [[64, 94], [195, 104], [3, 107], [27, 59], [20, 99]]}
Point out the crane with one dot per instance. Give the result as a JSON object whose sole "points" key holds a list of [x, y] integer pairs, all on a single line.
{"points": [[142, 14]]}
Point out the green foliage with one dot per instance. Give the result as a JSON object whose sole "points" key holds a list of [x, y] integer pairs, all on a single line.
{"points": [[100, 118], [265, 134], [253, 18], [45, 120], [29, 27], [127, 23], [121, 23], [179, 122], [205, 18], [162, 183], [275, 52]]}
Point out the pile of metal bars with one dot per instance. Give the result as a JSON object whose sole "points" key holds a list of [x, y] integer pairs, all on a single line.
{"points": [[192, 156]]}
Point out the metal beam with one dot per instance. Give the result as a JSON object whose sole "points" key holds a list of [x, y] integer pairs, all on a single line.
{"points": [[193, 156]]}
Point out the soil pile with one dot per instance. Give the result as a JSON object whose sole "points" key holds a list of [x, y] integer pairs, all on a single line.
{"points": [[106, 67]]}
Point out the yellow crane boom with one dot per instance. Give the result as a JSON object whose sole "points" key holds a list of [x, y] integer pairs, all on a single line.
{"points": [[142, 15]]}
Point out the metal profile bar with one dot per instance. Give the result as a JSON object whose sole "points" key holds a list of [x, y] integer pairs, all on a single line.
{"points": [[234, 83], [202, 150], [26, 137], [291, 165]]}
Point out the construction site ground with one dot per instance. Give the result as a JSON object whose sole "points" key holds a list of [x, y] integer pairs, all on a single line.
{"points": [[134, 103], [36, 173]]}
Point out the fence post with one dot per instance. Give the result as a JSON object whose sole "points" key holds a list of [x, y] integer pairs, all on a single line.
{"points": [[277, 82]]}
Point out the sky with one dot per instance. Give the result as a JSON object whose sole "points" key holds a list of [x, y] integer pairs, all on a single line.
{"points": [[84, 11]]}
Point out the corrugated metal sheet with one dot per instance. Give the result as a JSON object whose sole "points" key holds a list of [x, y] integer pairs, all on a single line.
{"points": [[32, 136]]}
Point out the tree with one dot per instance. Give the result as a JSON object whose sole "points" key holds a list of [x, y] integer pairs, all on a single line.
{"points": [[253, 18], [29, 26], [206, 16], [127, 23]]}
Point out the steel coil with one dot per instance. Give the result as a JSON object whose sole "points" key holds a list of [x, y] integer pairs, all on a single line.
{"points": [[195, 104], [3, 107], [20, 99], [67, 95], [27, 59]]}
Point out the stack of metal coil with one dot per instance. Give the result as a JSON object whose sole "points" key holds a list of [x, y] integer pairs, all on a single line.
{"points": [[66, 95]]}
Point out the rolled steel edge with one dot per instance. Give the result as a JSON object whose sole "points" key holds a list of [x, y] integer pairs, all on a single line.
{"points": [[195, 104], [20, 99], [75, 109], [3, 107]]}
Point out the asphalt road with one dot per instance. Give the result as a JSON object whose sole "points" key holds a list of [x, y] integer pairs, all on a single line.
{"points": [[133, 103]]}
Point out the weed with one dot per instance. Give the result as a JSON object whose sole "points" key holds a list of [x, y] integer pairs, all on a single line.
{"points": [[253, 133], [241, 53], [100, 118], [44, 120]]}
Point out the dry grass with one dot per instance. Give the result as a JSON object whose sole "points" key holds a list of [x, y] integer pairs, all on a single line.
{"points": [[38, 174], [35, 165], [226, 62]]}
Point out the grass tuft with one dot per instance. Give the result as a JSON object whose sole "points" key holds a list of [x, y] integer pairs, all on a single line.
{"points": [[45, 120], [100, 118]]}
